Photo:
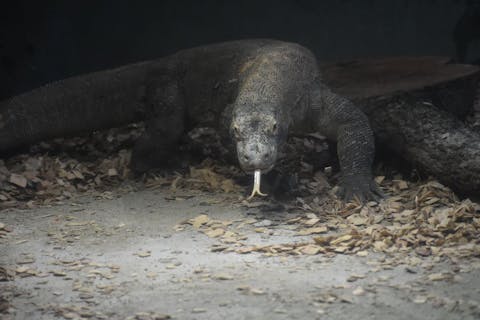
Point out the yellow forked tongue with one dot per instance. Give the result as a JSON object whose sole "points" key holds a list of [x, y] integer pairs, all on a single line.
{"points": [[256, 185]]}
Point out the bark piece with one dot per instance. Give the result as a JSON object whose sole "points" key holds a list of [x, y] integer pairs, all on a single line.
{"points": [[415, 106]]}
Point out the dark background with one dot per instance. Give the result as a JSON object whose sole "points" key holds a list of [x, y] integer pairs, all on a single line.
{"points": [[43, 41]]}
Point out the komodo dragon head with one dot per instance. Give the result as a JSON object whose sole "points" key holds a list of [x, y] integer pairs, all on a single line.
{"points": [[258, 132]]}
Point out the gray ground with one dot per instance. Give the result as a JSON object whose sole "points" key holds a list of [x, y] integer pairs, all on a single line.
{"points": [[126, 257]]}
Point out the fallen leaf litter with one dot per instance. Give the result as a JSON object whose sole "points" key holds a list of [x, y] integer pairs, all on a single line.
{"points": [[407, 222], [419, 219], [425, 217]]}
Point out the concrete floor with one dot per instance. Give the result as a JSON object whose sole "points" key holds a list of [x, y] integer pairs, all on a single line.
{"points": [[119, 258]]}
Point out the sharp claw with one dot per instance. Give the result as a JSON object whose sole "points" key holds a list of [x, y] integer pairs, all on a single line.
{"points": [[361, 194], [361, 198], [380, 194], [377, 193], [360, 189]]}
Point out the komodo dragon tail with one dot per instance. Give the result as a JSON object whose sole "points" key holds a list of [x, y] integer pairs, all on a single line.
{"points": [[75, 105]]}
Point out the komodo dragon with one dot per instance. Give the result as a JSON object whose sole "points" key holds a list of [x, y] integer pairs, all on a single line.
{"points": [[253, 91]]}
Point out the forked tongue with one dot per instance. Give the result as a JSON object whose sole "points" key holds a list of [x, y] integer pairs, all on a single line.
{"points": [[256, 185]]}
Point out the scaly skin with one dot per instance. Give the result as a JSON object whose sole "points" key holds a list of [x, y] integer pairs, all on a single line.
{"points": [[254, 91]]}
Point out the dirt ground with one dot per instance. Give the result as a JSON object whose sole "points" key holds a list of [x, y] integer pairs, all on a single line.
{"points": [[79, 239], [144, 255]]}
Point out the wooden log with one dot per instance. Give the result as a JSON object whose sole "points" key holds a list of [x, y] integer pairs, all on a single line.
{"points": [[415, 106]]}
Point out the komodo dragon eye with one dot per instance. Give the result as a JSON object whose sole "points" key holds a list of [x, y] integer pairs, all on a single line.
{"points": [[236, 131], [273, 128]]}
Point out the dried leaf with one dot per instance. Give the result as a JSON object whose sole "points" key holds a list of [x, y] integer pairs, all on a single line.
{"points": [[18, 180], [143, 254], [200, 220], [257, 292], [222, 276], [312, 249], [362, 253], [314, 230], [112, 172], [357, 219], [78, 223], [438, 276], [215, 233], [420, 299], [359, 291], [311, 222], [341, 239], [199, 310]]}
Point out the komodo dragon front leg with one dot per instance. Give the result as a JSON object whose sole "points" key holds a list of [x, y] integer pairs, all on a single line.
{"points": [[341, 121], [164, 125]]}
